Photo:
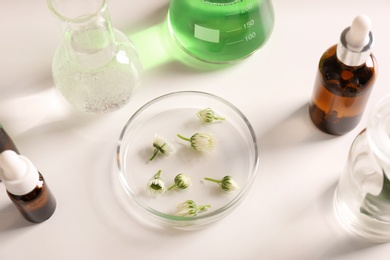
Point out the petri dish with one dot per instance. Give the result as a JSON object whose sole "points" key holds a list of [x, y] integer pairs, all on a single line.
{"points": [[235, 154]]}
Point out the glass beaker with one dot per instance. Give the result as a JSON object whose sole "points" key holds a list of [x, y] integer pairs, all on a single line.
{"points": [[96, 67], [362, 199], [220, 31]]}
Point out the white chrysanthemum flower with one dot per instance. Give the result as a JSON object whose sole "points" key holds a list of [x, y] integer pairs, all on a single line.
{"points": [[190, 209], [182, 181], [201, 141], [161, 145], [227, 183], [208, 116], [156, 185]]}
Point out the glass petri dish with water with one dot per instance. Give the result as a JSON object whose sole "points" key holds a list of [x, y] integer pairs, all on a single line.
{"points": [[235, 154]]}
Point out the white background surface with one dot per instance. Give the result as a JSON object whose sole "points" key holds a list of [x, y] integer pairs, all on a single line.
{"points": [[288, 213]]}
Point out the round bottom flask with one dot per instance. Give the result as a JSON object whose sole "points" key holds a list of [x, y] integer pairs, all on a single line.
{"points": [[220, 31], [362, 198], [96, 68]]}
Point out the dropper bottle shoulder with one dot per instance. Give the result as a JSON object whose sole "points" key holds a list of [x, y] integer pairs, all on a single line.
{"points": [[26, 187]]}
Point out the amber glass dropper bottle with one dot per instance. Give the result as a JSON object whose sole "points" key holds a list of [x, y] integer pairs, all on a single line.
{"points": [[345, 77], [26, 187]]}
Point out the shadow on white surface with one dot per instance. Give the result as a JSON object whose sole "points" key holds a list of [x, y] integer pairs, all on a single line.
{"points": [[315, 233], [26, 88], [11, 220], [341, 241], [117, 212], [12, 224], [294, 130]]}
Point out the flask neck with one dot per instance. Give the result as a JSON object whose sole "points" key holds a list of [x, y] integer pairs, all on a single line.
{"points": [[88, 36]]}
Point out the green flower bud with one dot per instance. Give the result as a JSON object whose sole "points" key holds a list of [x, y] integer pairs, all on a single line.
{"points": [[190, 209], [156, 185], [208, 116], [201, 141], [182, 181], [227, 183]]}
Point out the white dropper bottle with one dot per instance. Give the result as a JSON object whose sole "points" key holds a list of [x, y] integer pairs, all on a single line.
{"points": [[26, 187]]}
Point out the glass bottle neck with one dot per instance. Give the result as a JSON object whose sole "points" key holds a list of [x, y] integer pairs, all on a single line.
{"points": [[350, 57]]}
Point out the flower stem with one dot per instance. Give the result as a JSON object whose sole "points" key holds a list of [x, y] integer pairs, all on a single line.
{"points": [[173, 186], [213, 180], [184, 138], [157, 175], [157, 149], [154, 154]]}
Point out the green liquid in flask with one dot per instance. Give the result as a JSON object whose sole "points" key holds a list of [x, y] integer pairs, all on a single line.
{"points": [[220, 31]]}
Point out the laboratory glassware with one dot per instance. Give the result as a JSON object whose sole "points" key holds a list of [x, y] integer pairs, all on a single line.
{"points": [[345, 78], [220, 31], [362, 199], [96, 68]]}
